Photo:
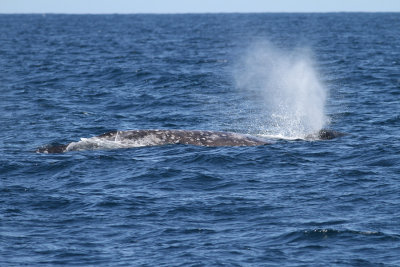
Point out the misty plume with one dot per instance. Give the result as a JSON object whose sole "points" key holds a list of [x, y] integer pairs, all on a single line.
{"points": [[289, 98]]}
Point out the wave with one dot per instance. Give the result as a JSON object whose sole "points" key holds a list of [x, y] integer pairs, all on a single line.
{"points": [[324, 234]]}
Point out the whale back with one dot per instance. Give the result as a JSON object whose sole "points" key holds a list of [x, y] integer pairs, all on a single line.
{"points": [[140, 138], [186, 137], [52, 149]]}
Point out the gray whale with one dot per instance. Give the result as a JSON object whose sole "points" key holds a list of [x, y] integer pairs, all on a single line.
{"points": [[140, 138]]}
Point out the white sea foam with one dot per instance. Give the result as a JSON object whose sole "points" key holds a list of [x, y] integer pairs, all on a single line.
{"points": [[94, 143], [290, 98]]}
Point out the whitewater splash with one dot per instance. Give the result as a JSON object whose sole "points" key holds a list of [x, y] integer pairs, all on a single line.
{"points": [[97, 143], [290, 98]]}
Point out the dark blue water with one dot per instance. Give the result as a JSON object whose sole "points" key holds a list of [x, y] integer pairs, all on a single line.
{"points": [[291, 203]]}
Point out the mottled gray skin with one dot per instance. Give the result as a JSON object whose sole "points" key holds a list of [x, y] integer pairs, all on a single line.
{"points": [[186, 137], [325, 134], [165, 137]]}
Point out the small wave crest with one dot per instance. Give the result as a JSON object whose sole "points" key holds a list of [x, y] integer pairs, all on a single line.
{"points": [[307, 137], [323, 234], [283, 137]]}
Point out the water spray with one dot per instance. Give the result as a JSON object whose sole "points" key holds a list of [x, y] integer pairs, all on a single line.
{"points": [[291, 98]]}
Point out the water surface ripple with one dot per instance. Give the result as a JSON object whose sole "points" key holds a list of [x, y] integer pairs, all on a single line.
{"points": [[292, 203]]}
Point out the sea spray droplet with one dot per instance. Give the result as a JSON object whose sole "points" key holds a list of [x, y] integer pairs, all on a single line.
{"points": [[290, 97]]}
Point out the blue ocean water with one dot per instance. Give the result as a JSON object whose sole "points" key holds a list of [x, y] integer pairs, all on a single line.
{"points": [[291, 203]]}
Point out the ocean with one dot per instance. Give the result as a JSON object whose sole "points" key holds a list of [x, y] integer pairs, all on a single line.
{"points": [[294, 202]]}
